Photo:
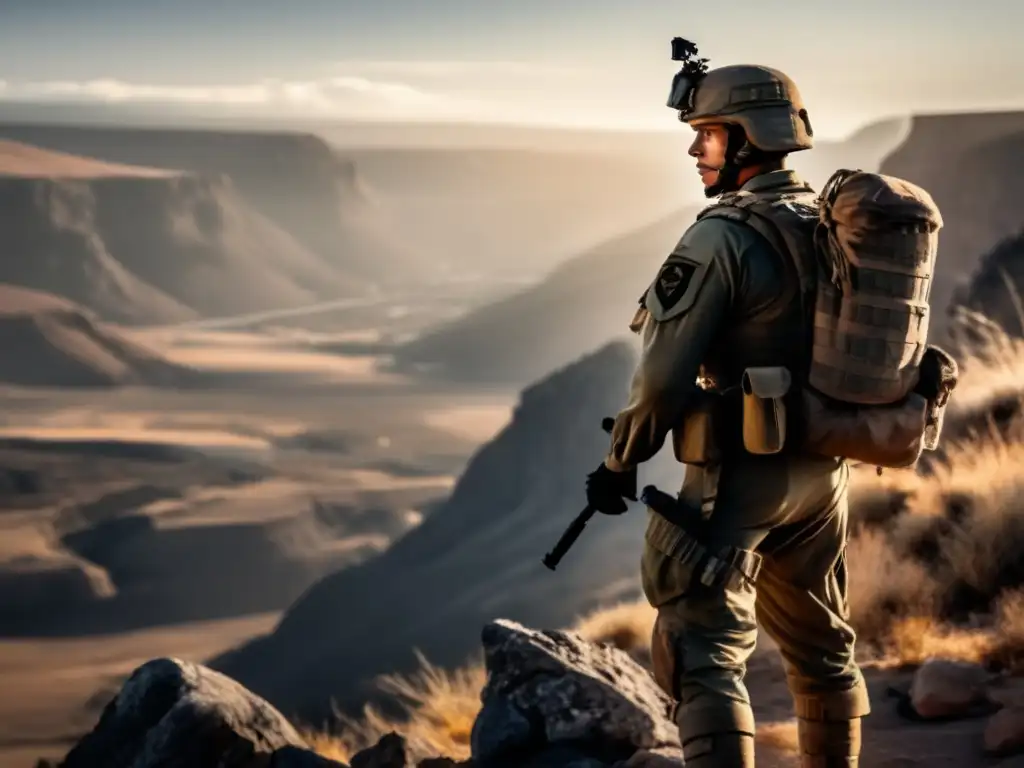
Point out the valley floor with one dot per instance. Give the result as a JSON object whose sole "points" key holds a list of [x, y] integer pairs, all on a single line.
{"points": [[137, 523]]}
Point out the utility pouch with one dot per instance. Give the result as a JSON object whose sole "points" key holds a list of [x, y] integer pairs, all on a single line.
{"points": [[694, 441], [938, 376], [764, 409], [882, 435]]}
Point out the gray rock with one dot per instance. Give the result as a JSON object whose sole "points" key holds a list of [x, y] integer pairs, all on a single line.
{"points": [[390, 752], [553, 687], [175, 714], [1004, 732], [299, 757], [665, 757], [557, 756], [500, 728], [943, 688]]}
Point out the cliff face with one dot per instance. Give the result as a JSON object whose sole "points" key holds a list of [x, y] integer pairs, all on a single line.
{"points": [[970, 163], [139, 249], [997, 286], [476, 558], [294, 180], [51, 342]]}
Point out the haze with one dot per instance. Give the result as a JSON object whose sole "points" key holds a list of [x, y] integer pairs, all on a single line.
{"points": [[596, 63], [310, 314]]}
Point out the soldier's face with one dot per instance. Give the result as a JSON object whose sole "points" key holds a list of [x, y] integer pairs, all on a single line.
{"points": [[709, 147]]}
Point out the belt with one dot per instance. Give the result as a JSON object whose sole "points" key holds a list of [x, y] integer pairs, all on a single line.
{"points": [[679, 532]]}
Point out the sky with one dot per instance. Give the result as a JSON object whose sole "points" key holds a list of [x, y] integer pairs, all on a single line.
{"points": [[600, 63]]}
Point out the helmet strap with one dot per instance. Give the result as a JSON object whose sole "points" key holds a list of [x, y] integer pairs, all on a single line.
{"points": [[739, 154]]}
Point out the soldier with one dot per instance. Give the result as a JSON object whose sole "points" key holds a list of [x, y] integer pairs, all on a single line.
{"points": [[750, 537]]}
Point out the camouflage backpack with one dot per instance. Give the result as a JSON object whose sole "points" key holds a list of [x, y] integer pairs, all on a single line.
{"points": [[864, 252]]}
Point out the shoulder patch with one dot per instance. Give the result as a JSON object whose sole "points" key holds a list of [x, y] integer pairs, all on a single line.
{"points": [[682, 275], [675, 289], [673, 280]]}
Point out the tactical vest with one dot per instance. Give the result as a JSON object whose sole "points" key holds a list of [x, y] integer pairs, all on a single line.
{"points": [[862, 255]]}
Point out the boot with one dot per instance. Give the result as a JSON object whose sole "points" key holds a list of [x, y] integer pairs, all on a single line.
{"points": [[828, 725], [717, 735], [829, 744]]}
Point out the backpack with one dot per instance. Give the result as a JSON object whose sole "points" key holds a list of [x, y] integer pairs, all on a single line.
{"points": [[863, 252]]}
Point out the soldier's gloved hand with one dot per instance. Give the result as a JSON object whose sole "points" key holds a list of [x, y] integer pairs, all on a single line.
{"points": [[607, 490]]}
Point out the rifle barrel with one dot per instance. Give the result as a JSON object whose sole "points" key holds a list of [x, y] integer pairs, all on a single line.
{"points": [[552, 558]]}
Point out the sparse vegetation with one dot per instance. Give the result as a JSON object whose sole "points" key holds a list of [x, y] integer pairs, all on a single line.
{"points": [[438, 710], [935, 567]]}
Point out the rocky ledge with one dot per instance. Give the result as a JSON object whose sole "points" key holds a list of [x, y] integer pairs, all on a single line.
{"points": [[551, 699]]}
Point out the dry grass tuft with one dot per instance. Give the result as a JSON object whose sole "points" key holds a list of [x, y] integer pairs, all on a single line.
{"points": [[626, 626], [952, 548], [1008, 650], [884, 585], [330, 744], [437, 706], [913, 639]]}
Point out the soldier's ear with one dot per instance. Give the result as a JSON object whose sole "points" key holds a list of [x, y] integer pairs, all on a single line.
{"points": [[806, 120]]}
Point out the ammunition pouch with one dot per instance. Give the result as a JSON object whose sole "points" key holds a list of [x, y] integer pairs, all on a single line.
{"points": [[676, 531], [696, 441], [746, 419], [764, 409]]}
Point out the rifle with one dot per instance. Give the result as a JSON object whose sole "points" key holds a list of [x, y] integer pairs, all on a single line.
{"points": [[568, 538]]}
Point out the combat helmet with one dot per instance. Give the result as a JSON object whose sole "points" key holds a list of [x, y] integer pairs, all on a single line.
{"points": [[763, 101]]}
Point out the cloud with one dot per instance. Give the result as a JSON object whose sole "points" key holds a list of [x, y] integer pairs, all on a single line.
{"points": [[416, 69], [339, 96], [118, 91]]}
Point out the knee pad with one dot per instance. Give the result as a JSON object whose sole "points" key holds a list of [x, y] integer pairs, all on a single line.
{"points": [[833, 706]]}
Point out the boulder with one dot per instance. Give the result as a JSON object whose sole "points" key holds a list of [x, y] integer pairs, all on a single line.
{"points": [[297, 757], [553, 689], [552, 700], [390, 752], [665, 757], [176, 714], [947, 689]]}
